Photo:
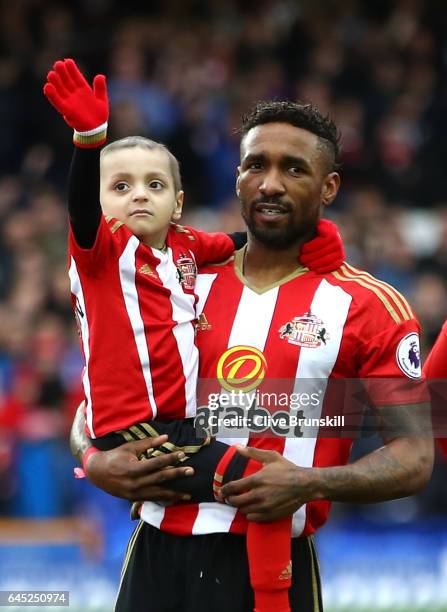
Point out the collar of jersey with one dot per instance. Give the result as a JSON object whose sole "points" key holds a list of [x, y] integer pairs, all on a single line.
{"points": [[239, 258]]}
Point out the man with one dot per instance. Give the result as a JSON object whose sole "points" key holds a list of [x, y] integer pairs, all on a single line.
{"points": [[286, 178]]}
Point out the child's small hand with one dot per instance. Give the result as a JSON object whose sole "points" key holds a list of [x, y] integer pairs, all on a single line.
{"points": [[325, 252], [84, 108]]}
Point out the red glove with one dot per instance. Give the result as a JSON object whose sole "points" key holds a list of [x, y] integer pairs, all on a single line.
{"points": [[86, 110], [325, 253]]}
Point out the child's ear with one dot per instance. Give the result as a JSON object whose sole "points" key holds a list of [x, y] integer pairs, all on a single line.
{"points": [[178, 205]]}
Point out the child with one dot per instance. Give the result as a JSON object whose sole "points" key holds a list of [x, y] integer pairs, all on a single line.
{"points": [[132, 278]]}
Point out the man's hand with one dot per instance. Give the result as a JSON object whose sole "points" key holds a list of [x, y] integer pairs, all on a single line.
{"points": [[276, 491], [84, 108], [120, 471]]}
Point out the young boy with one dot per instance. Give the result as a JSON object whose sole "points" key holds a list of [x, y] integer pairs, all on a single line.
{"points": [[132, 278]]}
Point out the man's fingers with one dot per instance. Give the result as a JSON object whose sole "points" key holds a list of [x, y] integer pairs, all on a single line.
{"points": [[149, 484], [263, 456], [156, 467], [138, 447], [162, 468], [245, 501], [263, 515], [236, 487], [161, 477]]}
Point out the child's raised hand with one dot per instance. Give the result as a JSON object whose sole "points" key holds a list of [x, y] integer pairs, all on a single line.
{"points": [[84, 108]]}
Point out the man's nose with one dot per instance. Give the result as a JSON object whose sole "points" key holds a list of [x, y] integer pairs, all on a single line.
{"points": [[272, 184]]}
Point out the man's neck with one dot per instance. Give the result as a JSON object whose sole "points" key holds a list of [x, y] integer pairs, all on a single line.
{"points": [[264, 266]]}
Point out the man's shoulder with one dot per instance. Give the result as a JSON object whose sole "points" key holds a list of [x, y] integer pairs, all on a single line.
{"points": [[371, 294]]}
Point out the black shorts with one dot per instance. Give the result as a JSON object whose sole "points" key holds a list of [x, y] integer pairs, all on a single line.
{"points": [[204, 573]]}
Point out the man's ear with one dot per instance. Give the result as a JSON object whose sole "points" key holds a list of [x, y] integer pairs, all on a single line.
{"points": [[238, 178], [330, 188], [179, 198]]}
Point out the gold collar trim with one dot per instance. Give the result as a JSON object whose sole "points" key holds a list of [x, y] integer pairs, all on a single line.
{"points": [[239, 258]]}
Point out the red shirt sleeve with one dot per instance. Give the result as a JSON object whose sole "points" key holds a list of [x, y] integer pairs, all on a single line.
{"points": [[391, 365], [94, 260], [209, 247]]}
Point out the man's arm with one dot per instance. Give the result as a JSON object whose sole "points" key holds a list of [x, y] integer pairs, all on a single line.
{"points": [[401, 467], [120, 471]]}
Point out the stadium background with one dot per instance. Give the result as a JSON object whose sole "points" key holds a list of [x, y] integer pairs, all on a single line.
{"points": [[183, 72]]}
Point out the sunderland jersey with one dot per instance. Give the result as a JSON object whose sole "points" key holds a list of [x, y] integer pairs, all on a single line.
{"points": [[136, 310], [294, 341]]}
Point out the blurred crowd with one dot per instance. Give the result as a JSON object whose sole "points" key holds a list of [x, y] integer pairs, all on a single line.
{"points": [[183, 72]]}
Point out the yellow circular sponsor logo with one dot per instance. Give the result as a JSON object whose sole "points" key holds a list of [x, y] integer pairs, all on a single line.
{"points": [[241, 368]]}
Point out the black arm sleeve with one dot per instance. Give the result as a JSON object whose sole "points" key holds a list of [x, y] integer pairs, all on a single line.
{"points": [[84, 207], [205, 462], [239, 239]]}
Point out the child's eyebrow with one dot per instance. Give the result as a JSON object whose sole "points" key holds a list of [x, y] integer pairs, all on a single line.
{"points": [[152, 173]]}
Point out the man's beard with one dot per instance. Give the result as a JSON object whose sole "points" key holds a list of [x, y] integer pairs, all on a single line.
{"points": [[279, 238]]}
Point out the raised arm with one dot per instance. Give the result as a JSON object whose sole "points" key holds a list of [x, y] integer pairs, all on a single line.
{"points": [[86, 110]]}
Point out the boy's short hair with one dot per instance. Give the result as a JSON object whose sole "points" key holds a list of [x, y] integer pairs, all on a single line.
{"points": [[146, 143]]}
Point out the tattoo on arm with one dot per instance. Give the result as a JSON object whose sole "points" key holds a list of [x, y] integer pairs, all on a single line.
{"points": [[400, 468]]}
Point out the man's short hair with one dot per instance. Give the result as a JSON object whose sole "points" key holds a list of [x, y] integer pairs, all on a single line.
{"points": [[304, 116], [146, 143]]}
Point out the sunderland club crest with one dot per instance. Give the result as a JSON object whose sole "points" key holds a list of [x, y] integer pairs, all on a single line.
{"points": [[307, 330], [186, 271]]}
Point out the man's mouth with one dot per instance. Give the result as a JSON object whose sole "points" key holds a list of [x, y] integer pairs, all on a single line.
{"points": [[271, 210]]}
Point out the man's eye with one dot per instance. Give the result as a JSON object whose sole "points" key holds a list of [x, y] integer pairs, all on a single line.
{"points": [[121, 186], [296, 170], [254, 166], [156, 185]]}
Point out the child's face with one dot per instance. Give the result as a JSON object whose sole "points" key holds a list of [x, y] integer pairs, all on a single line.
{"points": [[137, 187]]}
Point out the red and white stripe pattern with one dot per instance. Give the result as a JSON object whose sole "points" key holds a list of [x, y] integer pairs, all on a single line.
{"points": [[137, 325], [237, 315]]}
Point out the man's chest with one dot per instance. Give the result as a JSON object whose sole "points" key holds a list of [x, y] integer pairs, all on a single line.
{"points": [[295, 329]]}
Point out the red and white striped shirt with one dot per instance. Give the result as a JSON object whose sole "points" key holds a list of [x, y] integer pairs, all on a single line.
{"points": [[295, 336], [136, 308]]}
